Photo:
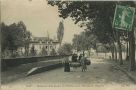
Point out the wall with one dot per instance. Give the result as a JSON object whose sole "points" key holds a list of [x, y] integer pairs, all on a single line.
{"points": [[13, 62]]}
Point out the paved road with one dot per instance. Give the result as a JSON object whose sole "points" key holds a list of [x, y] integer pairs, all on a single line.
{"points": [[101, 72]]}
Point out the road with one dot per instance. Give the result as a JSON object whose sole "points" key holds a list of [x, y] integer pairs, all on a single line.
{"points": [[100, 72]]}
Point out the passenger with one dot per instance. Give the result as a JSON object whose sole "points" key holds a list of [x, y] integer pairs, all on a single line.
{"points": [[74, 58], [80, 56], [66, 65], [83, 64]]}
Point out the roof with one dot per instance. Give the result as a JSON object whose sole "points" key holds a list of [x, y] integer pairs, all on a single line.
{"points": [[37, 39], [42, 39]]}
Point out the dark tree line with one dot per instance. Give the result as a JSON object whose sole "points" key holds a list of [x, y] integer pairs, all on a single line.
{"points": [[14, 36]]}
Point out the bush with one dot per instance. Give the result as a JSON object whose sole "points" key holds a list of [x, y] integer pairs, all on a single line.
{"points": [[44, 52], [65, 49], [33, 51], [53, 52]]}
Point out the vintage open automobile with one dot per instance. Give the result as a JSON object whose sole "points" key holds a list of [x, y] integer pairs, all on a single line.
{"points": [[75, 62]]}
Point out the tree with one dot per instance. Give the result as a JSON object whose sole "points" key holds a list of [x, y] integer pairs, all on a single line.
{"points": [[132, 50], [4, 35], [84, 41], [65, 49], [97, 17], [33, 51], [14, 36], [26, 36], [60, 32], [44, 51], [53, 52]]}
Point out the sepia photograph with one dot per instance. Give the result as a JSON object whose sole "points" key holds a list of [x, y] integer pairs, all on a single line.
{"points": [[68, 44]]}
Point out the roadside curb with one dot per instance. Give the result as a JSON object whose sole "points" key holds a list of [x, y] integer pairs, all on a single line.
{"points": [[130, 76], [22, 70], [37, 70]]}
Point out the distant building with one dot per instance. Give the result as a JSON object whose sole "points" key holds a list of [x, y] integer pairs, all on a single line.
{"points": [[44, 42]]}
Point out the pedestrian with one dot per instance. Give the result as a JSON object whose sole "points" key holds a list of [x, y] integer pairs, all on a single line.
{"points": [[80, 56], [83, 64], [74, 57], [66, 65]]}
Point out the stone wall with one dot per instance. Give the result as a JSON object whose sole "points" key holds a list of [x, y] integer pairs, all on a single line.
{"points": [[13, 62]]}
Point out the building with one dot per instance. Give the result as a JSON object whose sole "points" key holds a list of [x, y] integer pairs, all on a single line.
{"points": [[44, 42]]}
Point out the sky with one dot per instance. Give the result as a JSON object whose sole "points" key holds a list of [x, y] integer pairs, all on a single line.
{"points": [[38, 16]]}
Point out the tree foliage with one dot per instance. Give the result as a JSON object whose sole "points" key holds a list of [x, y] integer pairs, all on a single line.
{"points": [[84, 41], [97, 17], [60, 32], [53, 52], [44, 51], [33, 51], [14, 36], [65, 49]]}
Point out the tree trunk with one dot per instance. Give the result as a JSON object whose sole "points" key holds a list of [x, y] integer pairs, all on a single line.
{"points": [[13, 53], [112, 52], [131, 51], [89, 52], [115, 53], [60, 44], [83, 53], [105, 54], [26, 50], [120, 50], [127, 51], [97, 52]]}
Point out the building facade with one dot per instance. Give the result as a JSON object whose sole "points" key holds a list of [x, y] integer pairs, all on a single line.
{"points": [[46, 43]]}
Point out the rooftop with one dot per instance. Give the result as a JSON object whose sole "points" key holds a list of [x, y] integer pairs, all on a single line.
{"points": [[43, 39]]}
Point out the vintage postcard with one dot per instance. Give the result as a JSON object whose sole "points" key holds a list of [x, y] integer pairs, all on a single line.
{"points": [[68, 44]]}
